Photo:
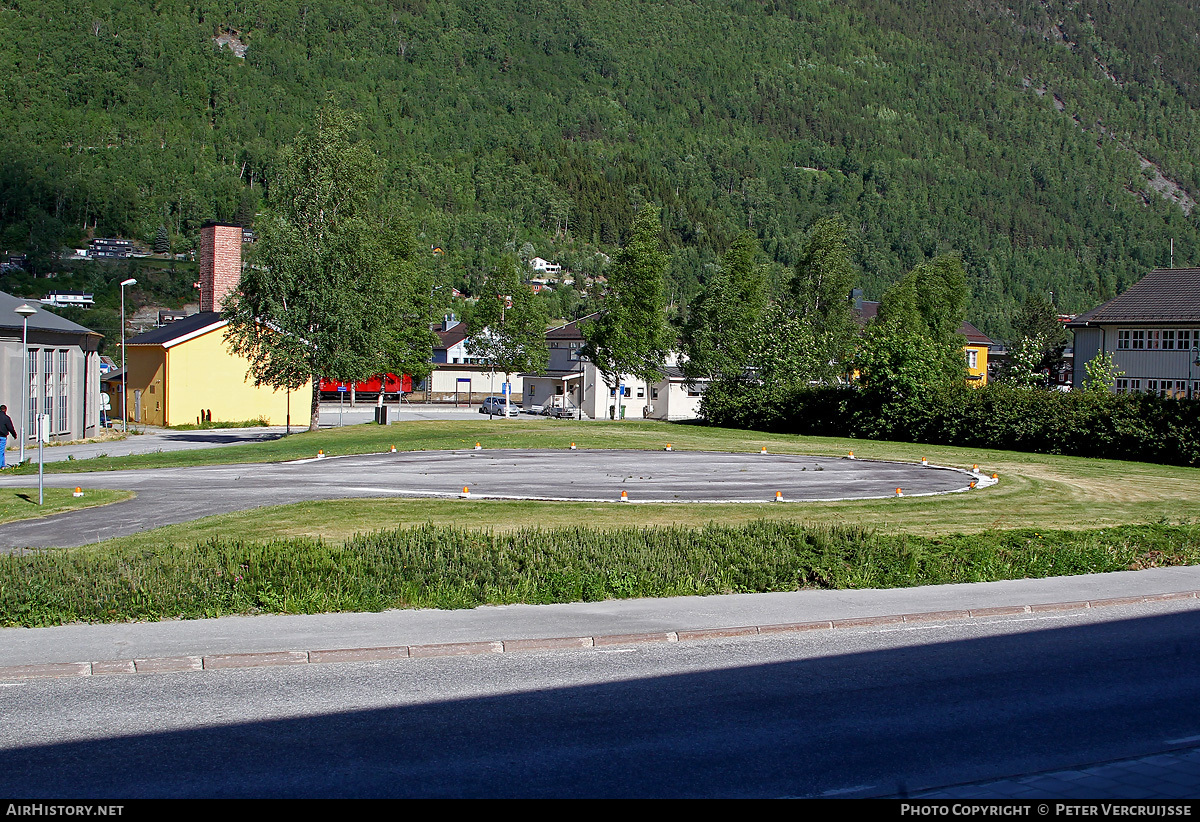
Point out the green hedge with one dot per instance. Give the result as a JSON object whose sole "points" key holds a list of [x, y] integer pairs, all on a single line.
{"points": [[1114, 426]]}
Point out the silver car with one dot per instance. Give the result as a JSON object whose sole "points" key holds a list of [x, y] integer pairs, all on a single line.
{"points": [[495, 405]]}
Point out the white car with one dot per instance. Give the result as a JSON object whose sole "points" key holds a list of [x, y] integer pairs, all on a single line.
{"points": [[495, 405]]}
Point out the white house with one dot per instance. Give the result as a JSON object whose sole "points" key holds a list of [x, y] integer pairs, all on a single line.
{"points": [[570, 381], [545, 266]]}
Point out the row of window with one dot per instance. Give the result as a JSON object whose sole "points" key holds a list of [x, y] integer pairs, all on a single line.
{"points": [[1177, 389], [49, 388], [1158, 339]]}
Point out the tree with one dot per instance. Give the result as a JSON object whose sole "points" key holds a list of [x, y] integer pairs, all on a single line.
{"points": [[717, 337], [1047, 338], [824, 276], [508, 327], [329, 291], [162, 241], [1100, 373], [915, 341], [631, 335], [1024, 362]]}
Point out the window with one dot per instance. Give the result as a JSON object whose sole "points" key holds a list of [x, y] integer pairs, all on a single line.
{"points": [[1168, 339], [1121, 386], [1154, 340], [1135, 385], [972, 359], [48, 386], [641, 392], [653, 393], [1139, 340], [31, 411], [1122, 339], [64, 362]]}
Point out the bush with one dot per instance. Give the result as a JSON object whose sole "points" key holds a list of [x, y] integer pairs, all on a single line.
{"points": [[1087, 424]]}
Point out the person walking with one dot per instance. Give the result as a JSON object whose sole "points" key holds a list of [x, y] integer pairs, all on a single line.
{"points": [[6, 428]]}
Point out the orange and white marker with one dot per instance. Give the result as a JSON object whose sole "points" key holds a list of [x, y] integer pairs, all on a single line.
{"points": [[850, 456], [393, 449], [573, 448], [78, 492], [478, 447], [764, 450], [320, 455], [668, 448], [924, 462], [466, 492], [899, 493], [624, 496], [995, 476], [972, 485], [779, 496], [974, 469]]}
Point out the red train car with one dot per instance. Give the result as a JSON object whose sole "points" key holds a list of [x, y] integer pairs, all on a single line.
{"points": [[390, 384]]}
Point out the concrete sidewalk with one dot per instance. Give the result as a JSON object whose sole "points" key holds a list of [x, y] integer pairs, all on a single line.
{"points": [[273, 639]]}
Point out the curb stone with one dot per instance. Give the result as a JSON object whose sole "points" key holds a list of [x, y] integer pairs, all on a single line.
{"points": [[160, 665]]}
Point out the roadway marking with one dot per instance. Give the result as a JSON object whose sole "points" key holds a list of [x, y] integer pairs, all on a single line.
{"points": [[838, 791], [1183, 741]]}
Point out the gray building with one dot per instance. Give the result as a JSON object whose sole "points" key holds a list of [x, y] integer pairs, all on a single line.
{"points": [[62, 373], [1152, 332]]}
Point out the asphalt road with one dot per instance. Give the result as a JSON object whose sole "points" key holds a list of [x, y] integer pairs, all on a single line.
{"points": [[170, 495], [851, 713]]}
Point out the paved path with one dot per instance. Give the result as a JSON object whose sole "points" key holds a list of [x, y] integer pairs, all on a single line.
{"points": [[171, 495]]}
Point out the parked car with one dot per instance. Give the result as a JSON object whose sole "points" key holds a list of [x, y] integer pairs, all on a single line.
{"points": [[495, 405], [559, 412]]}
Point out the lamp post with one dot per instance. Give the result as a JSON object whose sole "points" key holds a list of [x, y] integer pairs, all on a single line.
{"points": [[124, 376], [26, 311]]}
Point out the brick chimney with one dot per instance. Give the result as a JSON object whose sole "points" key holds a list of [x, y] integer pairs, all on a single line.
{"points": [[220, 263]]}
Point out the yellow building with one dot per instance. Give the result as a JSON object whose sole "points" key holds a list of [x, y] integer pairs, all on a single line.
{"points": [[184, 372], [976, 351]]}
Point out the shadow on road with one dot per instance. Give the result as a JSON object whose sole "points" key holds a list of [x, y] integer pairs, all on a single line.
{"points": [[878, 722]]}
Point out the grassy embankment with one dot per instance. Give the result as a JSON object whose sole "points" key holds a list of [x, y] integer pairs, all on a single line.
{"points": [[350, 554]]}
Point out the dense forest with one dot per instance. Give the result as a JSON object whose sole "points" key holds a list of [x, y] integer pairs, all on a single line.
{"points": [[1054, 144]]}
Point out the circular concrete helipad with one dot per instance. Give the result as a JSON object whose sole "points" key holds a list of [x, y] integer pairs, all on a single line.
{"points": [[171, 495], [648, 476]]}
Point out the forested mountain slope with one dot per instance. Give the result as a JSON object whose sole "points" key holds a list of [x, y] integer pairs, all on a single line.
{"points": [[1055, 145]]}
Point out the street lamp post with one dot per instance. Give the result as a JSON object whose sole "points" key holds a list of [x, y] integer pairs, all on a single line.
{"points": [[124, 375], [26, 311]]}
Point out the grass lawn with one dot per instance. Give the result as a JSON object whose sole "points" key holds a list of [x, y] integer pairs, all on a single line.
{"points": [[22, 503], [1035, 490]]}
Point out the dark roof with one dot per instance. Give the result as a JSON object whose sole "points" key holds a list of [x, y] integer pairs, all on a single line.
{"points": [[1165, 295], [453, 336], [870, 310], [41, 320], [173, 331], [570, 331]]}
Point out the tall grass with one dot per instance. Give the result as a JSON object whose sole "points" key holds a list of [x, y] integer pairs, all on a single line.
{"points": [[446, 567]]}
